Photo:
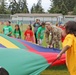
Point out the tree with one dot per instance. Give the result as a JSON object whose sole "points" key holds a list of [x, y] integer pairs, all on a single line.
{"points": [[56, 6], [13, 7], [18, 7], [24, 7], [64, 10], [54, 10], [3, 7], [70, 4], [33, 9], [74, 10], [62, 6], [37, 8]]}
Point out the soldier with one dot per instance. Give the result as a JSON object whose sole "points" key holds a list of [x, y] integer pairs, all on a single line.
{"points": [[55, 33]]}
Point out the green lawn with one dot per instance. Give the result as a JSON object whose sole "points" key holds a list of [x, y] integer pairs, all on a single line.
{"points": [[56, 70]]}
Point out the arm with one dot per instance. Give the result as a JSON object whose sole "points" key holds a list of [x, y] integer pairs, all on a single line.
{"points": [[68, 43], [63, 50], [32, 37]]}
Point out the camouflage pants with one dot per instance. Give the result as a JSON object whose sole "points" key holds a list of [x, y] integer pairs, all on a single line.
{"points": [[56, 44]]}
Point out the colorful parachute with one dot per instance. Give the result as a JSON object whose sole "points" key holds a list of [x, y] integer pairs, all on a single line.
{"points": [[19, 57]]}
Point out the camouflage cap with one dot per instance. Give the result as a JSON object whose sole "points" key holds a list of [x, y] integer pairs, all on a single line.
{"points": [[48, 23]]}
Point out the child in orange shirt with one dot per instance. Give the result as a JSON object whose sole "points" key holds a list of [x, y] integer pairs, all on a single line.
{"points": [[69, 46], [28, 34]]}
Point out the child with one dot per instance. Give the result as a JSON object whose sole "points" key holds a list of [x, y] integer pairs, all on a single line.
{"points": [[3, 71], [17, 32], [7, 30], [69, 46], [40, 33], [28, 34]]}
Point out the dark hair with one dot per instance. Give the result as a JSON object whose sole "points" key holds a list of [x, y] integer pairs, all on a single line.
{"points": [[30, 27], [18, 29], [3, 72], [43, 23], [57, 25], [9, 22], [37, 19], [70, 27]]}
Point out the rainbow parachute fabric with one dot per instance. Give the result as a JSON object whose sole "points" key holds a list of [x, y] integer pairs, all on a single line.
{"points": [[19, 57]]}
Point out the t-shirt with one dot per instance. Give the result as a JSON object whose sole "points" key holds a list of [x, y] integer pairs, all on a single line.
{"points": [[17, 34], [29, 35], [70, 40], [40, 31], [7, 29]]}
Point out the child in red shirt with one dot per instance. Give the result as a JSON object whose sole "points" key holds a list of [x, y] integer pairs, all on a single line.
{"points": [[28, 34]]}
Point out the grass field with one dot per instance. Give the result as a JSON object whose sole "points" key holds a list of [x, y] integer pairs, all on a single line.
{"points": [[56, 70]]}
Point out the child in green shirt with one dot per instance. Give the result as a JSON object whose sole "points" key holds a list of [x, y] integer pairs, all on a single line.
{"points": [[7, 30], [17, 32], [40, 33]]}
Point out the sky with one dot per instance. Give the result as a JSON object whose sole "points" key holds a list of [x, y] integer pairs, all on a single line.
{"points": [[45, 4]]}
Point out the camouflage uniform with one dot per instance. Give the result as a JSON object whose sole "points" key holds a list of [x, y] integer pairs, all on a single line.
{"points": [[47, 34], [55, 36]]}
